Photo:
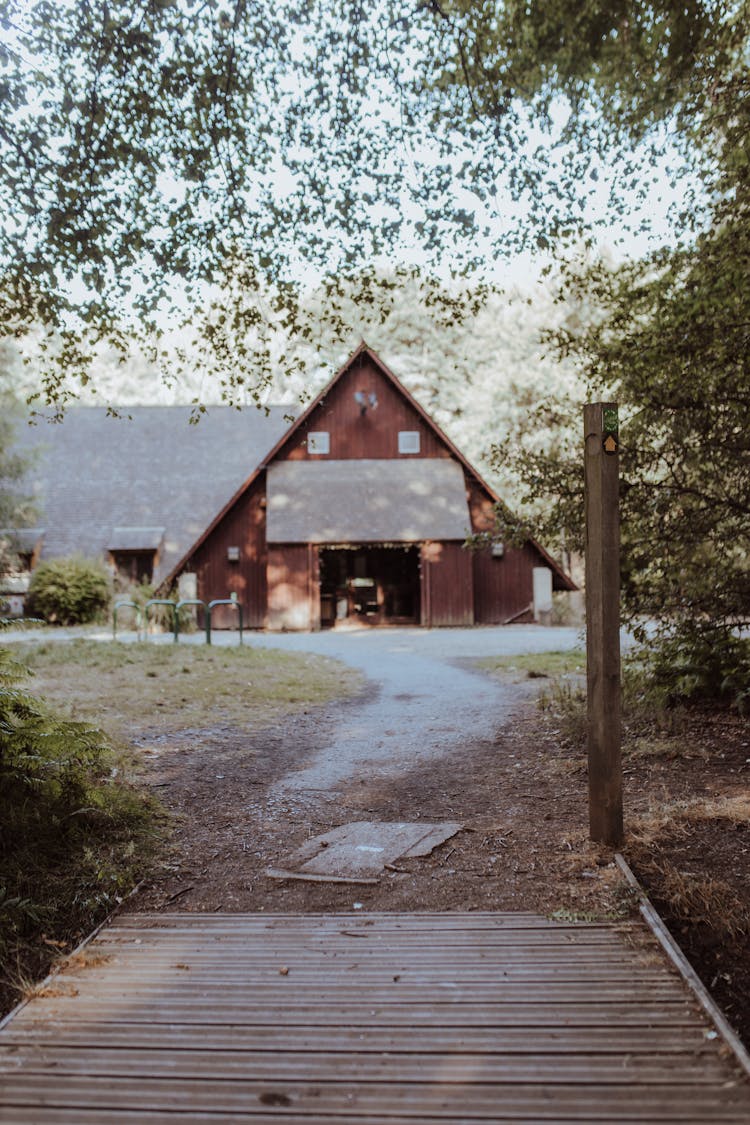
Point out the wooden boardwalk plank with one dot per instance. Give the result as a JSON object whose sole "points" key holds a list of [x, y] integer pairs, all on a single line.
{"points": [[408, 1065], [58, 1116], [377, 1101], [362, 1019], [601, 1039]]}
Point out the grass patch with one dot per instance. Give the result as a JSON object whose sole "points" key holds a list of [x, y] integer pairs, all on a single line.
{"points": [[158, 687], [75, 836], [563, 697], [540, 665]]}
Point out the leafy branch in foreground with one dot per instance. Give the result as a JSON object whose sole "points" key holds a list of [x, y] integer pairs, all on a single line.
{"points": [[174, 172]]}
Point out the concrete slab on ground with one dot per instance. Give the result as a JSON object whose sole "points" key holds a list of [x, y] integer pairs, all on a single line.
{"points": [[362, 849]]}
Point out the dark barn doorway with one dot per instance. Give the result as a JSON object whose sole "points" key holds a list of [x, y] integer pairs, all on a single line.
{"points": [[376, 585]]}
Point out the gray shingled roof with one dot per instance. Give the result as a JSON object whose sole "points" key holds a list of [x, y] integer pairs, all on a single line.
{"points": [[366, 501], [98, 479]]}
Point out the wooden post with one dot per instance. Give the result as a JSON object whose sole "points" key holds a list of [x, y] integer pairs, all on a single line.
{"points": [[601, 471]]}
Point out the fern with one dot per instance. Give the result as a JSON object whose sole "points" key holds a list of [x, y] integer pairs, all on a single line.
{"points": [[72, 839]]}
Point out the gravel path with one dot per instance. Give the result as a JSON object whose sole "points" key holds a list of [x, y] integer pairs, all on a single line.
{"points": [[423, 701], [422, 704]]}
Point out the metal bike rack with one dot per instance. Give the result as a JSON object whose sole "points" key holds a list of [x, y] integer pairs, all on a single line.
{"points": [[209, 610], [159, 601], [178, 607], [125, 603]]}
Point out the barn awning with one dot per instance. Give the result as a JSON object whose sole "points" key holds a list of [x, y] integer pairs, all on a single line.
{"points": [[366, 501], [135, 538]]}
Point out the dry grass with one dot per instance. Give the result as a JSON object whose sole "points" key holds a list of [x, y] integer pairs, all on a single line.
{"points": [[676, 816], [84, 959], [705, 901], [694, 899], [735, 809], [652, 746], [147, 687]]}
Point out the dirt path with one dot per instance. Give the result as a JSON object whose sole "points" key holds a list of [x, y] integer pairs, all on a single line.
{"points": [[420, 706], [428, 738]]}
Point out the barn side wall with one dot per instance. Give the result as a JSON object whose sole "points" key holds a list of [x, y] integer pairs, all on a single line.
{"points": [[293, 591], [447, 585], [243, 526], [503, 587]]}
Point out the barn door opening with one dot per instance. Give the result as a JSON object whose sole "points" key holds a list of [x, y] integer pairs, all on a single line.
{"points": [[369, 585]]}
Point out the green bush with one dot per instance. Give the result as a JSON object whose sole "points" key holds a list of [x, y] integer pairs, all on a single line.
{"points": [[73, 837], [691, 665], [70, 591]]}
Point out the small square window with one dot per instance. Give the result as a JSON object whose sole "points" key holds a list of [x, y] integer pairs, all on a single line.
{"points": [[319, 441], [408, 441]]}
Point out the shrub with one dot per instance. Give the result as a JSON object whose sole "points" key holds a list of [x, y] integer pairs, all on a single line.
{"points": [[70, 591], [705, 666], [73, 837]]}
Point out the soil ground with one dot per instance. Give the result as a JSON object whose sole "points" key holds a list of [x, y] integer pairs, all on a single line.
{"points": [[521, 797], [241, 800]]}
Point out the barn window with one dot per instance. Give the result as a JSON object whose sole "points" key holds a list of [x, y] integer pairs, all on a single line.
{"points": [[408, 441], [319, 441]]}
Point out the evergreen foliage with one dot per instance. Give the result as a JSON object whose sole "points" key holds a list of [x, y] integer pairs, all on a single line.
{"points": [[69, 831], [71, 591]]}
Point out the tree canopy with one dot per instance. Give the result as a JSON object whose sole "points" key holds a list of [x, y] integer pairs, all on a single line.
{"points": [[667, 336], [160, 156], [174, 170]]}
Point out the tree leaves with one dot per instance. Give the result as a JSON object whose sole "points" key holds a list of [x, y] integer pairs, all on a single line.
{"points": [[146, 149]]}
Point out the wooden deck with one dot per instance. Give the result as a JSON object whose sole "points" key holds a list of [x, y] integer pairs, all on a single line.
{"points": [[366, 1018]]}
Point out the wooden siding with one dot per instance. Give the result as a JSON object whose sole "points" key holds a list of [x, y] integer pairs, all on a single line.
{"points": [[279, 588], [359, 1020], [354, 435], [243, 526], [447, 585], [503, 588], [293, 587]]}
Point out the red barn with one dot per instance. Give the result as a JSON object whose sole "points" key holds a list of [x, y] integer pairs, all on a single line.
{"points": [[360, 513]]}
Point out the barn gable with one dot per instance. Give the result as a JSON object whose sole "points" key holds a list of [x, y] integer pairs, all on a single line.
{"points": [[360, 511]]}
